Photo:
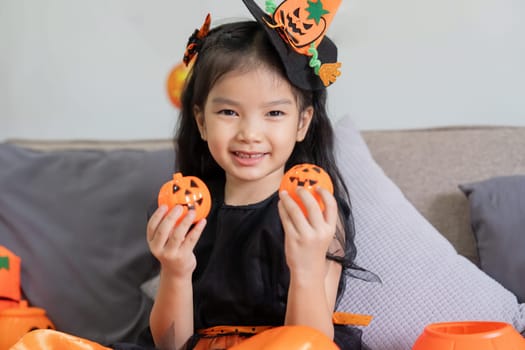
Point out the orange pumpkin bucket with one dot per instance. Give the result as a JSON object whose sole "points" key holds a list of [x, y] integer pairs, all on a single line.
{"points": [[309, 176], [470, 335], [16, 322], [188, 191]]}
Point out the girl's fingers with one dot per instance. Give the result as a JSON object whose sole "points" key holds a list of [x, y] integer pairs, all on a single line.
{"points": [[330, 205], [315, 215], [193, 236], [164, 229], [154, 222], [286, 221], [292, 212], [170, 219], [179, 232]]}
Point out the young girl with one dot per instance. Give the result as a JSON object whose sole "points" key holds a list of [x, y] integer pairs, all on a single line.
{"points": [[249, 113], [254, 105]]}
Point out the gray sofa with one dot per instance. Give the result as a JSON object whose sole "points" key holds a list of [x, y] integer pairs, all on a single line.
{"points": [[429, 164], [91, 245]]}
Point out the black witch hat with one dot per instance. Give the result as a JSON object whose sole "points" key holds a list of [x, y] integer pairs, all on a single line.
{"points": [[297, 29]]}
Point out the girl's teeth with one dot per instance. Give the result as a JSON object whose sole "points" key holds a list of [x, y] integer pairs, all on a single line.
{"points": [[244, 155]]}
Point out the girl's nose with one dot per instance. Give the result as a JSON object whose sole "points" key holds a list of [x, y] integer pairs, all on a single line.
{"points": [[250, 129]]}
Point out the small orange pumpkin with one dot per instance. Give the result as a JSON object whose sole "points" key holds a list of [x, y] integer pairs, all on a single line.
{"points": [[288, 338], [15, 322], [309, 176], [188, 191]]}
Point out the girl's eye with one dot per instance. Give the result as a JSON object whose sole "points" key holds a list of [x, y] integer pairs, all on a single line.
{"points": [[275, 113], [228, 112]]}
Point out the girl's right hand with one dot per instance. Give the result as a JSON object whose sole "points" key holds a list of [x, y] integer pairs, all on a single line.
{"points": [[171, 243]]}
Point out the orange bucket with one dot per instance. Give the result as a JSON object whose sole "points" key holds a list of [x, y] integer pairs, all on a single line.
{"points": [[470, 335]]}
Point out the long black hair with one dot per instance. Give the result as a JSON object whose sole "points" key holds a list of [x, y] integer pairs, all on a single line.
{"points": [[244, 46]]}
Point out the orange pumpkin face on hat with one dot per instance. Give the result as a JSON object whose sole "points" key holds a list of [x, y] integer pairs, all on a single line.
{"points": [[297, 30], [304, 22]]}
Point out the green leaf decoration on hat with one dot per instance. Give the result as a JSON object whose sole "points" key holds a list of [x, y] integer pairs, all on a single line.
{"points": [[4, 262], [316, 10]]}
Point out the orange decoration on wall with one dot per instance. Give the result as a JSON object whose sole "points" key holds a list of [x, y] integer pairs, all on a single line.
{"points": [[309, 176], [188, 191], [175, 83]]}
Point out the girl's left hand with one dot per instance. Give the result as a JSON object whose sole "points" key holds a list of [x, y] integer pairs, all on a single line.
{"points": [[307, 238]]}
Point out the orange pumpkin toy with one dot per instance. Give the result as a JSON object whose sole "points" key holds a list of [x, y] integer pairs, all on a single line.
{"points": [[309, 176], [16, 322], [288, 338], [16, 318], [10, 293], [188, 191]]}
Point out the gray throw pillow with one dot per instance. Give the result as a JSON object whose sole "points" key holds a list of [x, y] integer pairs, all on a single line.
{"points": [[77, 219], [497, 213]]}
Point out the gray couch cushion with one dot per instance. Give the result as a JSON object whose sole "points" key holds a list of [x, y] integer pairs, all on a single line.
{"points": [[77, 219], [428, 165], [497, 210]]}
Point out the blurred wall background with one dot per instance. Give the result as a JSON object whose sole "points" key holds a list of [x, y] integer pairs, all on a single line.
{"points": [[96, 69]]}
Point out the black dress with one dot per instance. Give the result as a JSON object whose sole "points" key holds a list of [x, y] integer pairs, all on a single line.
{"points": [[241, 276]]}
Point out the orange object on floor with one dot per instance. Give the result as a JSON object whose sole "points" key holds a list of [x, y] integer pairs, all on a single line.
{"points": [[18, 321], [288, 338], [46, 339], [10, 293], [469, 335]]}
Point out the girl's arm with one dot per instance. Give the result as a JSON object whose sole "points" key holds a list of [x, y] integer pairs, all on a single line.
{"points": [[171, 319], [313, 279]]}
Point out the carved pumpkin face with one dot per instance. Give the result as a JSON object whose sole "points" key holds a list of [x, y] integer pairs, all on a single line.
{"points": [[298, 26], [304, 22], [188, 191], [16, 322], [309, 176], [288, 337]]}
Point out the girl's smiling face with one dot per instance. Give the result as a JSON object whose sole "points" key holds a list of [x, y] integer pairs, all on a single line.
{"points": [[251, 121]]}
